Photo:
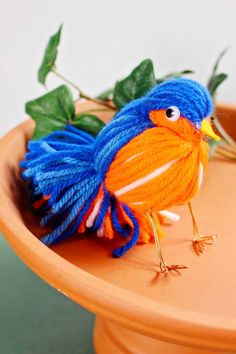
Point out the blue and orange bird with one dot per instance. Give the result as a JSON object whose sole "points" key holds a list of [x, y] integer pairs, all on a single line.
{"points": [[150, 157]]}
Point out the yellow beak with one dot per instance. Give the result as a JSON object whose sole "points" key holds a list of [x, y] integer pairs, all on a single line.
{"points": [[206, 129]]}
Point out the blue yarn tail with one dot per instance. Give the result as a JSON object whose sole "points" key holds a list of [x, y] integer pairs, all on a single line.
{"points": [[134, 235], [60, 172], [60, 169]]}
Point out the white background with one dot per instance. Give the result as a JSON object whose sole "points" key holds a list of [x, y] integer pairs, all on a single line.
{"points": [[103, 40]]}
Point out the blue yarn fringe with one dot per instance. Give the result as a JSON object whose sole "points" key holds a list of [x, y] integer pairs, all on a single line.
{"points": [[61, 166]]}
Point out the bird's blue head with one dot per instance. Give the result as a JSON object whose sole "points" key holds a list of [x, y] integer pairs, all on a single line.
{"points": [[192, 99], [182, 106], [180, 98]]}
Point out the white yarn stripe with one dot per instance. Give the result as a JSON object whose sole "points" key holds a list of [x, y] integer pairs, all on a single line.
{"points": [[137, 203], [92, 216], [170, 215], [145, 179], [133, 156], [100, 232], [200, 176]]}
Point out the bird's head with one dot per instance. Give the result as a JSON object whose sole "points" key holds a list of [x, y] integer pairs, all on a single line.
{"points": [[180, 104]]}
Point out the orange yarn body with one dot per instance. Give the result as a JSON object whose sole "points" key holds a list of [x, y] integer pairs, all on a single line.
{"points": [[158, 169]]}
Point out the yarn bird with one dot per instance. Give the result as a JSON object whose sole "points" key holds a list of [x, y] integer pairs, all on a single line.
{"points": [[150, 157]]}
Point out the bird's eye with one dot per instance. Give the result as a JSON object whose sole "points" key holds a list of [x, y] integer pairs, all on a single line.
{"points": [[172, 113]]}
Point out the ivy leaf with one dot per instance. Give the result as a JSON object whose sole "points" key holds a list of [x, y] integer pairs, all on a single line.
{"points": [[52, 111], [89, 123], [175, 75], [135, 85], [215, 68], [216, 79], [215, 82], [50, 56], [106, 95]]}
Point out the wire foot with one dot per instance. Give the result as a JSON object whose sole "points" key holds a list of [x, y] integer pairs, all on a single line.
{"points": [[164, 267], [200, 243]]}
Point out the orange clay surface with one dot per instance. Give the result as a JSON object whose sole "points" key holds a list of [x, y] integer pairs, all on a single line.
{"points": [[196, 307]]}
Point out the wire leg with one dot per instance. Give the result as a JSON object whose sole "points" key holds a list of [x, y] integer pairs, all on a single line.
{"points": [[200, 242], [164, 267]]}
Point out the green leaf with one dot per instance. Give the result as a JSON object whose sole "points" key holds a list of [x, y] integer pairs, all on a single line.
{"points": [[135, 85], [215, 79], [52, 111], [106, 95], [50, 56], [175, 75], [89, 123], [222, 54], [215, 82]]}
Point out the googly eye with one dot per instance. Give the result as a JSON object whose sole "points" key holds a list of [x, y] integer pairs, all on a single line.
{"points": [[172, 113]]}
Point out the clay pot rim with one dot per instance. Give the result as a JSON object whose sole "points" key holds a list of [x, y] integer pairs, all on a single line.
{"points": [[117, 304]]}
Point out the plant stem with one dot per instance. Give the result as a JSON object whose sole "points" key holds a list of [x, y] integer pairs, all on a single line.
{"points": [[81, 93], [223, 133], [103, 103], [99, 110], [66, 80], [225, 153]]}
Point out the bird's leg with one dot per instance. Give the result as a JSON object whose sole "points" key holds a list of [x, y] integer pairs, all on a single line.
{"points": [[200, 242], [164, 267]]}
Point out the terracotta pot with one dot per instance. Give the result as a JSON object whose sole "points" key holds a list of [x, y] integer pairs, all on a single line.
{"points": [[138, 310]]}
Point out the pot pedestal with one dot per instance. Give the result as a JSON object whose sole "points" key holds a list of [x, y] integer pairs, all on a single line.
{"points": [[112, 338]]}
